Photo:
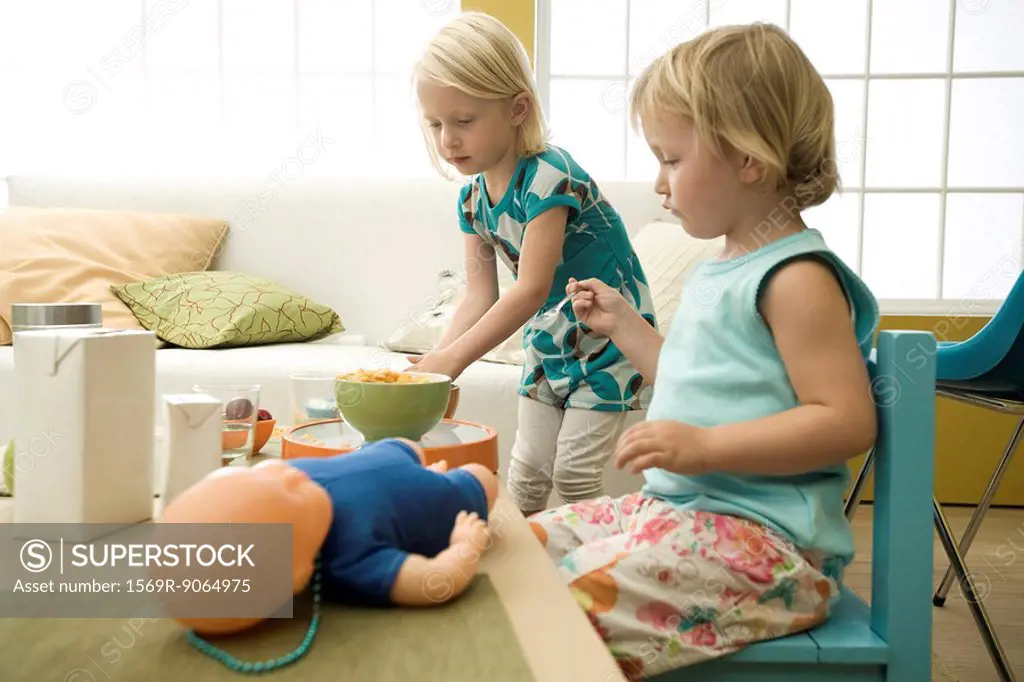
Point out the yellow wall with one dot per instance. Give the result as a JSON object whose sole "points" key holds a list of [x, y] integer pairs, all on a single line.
{"points": [[969, 441], [518, 15]]}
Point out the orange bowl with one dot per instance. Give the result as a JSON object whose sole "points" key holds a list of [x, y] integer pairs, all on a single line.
{"points": [[264, 430], [453, 403]]}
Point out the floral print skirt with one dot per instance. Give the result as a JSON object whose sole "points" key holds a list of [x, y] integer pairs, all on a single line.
{"points": [[666, 588]]}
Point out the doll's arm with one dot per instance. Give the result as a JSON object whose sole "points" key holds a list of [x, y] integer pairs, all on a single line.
{"points": [[428, 582]]}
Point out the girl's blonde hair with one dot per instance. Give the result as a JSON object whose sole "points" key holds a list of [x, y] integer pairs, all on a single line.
{"points": [[754, 89], [481, 57]]}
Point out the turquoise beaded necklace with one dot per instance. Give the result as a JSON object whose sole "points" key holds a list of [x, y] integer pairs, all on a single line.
{"points": [[274, 663]]}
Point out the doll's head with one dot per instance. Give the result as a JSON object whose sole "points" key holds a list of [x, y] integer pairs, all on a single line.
{"points": [[269, 492]]}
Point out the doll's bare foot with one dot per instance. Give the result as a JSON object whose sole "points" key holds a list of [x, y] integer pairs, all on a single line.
{"points": [[439, 466]]}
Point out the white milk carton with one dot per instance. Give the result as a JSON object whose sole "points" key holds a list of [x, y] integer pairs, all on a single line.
{"points": [[194, 426], [84, 427]]}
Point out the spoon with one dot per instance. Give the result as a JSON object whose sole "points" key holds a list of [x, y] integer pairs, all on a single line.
{"points": [[552, 312]]}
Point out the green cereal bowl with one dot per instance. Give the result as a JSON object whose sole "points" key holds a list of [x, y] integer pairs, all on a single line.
{"points": [[397, 410]]}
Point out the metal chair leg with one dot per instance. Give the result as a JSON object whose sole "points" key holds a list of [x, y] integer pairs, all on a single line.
{"points": [[979, 513], [974, 601], [853, 501]]}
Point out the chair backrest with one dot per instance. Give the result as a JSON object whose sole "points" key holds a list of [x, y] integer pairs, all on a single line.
{"points": [[903, 386], [995, 355]]}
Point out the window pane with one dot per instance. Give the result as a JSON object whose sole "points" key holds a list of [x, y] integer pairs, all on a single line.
{"points": [[988, 36], [901, 245], [89, 31], [592, 134], [904, 144], [69, 41], [641, 164], [656, 26], [402, 28], [833, 34], [334, 36], [259, 36], [983, 245], [398, 136], [725, 12], [181, 37], [909, 36], [838, 221], [259, 108], [327, 107], [186, 110], [848, 105], [587, 37], [986, 139]]}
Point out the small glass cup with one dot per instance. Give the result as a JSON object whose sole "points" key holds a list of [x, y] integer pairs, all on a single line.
{"points": [[240, 404], [313, 397]]}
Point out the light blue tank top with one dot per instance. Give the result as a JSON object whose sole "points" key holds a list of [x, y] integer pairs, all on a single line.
{"points": [[720, 365]]}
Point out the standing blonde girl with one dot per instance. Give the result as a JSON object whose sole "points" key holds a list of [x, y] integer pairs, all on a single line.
{"points": [[529, 204]]}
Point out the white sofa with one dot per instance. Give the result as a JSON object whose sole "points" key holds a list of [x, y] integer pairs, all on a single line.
{"points": [[372, 250]]}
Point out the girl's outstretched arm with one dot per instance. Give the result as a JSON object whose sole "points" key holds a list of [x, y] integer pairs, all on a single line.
{"points": [[809, 317], [481, 288], [540, 256]]}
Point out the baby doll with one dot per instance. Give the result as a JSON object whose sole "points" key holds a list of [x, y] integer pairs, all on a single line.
{"points": [[389, 531]]}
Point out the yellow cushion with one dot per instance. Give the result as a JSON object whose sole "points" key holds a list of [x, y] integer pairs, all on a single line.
{"points": [[65, 255]]}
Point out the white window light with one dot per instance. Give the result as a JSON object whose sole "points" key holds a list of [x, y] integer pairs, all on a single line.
{"points": [[213, 87]]}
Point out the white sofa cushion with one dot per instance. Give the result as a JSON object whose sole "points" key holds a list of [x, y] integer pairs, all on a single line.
{"points": [[668, 256], [423, 329]]}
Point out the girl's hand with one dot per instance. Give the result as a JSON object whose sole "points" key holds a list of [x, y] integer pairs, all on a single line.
{"points": [[438, 362], [597, 305], [669, 445]]}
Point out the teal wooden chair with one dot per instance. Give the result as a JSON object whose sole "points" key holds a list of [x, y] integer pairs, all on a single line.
{"points": [[890, 640]]}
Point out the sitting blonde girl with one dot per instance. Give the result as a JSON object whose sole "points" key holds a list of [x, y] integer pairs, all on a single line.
{"points": [[761, 390]]}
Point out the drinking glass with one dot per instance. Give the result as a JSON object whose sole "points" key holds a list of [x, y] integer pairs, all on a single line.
{"points": [[240, 404], [312, 397]]}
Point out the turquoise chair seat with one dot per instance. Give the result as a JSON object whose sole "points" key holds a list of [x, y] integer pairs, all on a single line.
{"points": [[845, 648], [890, 640], [846, 637]]}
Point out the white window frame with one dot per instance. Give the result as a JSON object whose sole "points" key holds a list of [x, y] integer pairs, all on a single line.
{"points": [[938, 306]]}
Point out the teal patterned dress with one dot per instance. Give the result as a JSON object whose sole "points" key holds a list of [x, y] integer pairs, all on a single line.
{"points": [[567, 364]]}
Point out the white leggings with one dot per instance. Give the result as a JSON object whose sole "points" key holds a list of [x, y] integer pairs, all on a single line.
{"points": [[562, 448]]}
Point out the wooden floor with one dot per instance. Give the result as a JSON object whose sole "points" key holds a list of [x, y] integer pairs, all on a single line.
{"points": [[996, 561]]}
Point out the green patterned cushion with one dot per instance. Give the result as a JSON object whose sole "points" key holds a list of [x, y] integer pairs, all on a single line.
{"points": [[8, 468], [221, 309]]}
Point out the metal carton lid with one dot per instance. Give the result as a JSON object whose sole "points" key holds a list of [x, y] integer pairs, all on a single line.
{"points": [[40, 315]]}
